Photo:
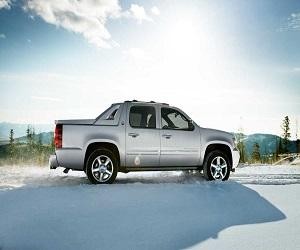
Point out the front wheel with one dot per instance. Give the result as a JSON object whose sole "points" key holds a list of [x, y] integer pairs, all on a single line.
{"points": [[216, 166], [102, 167]]}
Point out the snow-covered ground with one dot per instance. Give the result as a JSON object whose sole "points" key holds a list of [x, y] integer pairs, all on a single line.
{"points": [[43, 209], [12, 177]]}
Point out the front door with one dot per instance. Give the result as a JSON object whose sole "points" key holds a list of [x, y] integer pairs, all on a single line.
{"points": [[180, 139], [142, 136]]}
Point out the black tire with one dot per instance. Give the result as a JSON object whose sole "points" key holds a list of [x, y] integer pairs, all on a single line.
{"points": [[92, 163], [208, 167]]}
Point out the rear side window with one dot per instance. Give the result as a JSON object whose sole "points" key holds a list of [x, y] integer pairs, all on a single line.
{"points": [[112, 114], [142, 117]]}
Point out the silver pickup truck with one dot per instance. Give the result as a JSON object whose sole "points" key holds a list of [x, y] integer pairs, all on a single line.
{"points": [[142, 136]]}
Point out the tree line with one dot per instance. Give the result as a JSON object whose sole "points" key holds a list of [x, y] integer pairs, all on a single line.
{"points": [[32, 151], [282, 146]]}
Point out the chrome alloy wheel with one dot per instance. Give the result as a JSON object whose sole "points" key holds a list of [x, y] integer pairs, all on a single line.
{"points": [[102, 168], [218, 168]]}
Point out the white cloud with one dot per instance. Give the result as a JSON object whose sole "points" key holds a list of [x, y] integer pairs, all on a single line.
{"points": [[5, 4], [155, 11], [2, 36], [294, 21], [138, 12], [291, 23], [87, 17], [46, 98]]}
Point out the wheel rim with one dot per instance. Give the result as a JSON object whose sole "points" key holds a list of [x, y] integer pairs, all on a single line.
{"points": [[218, 168], [102, 168]]}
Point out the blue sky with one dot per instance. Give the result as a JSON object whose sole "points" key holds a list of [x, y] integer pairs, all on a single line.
{"points": [[228, 64]]}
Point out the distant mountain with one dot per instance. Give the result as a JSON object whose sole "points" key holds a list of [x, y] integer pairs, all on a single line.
{"points": [[45, 137], [20, 129], [267, 143]]}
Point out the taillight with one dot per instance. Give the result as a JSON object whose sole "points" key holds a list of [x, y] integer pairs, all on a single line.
{"points": [[58, 136]]}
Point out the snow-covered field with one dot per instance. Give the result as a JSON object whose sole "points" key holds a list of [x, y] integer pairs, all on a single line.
{"points": [[259, 208], [12, 177]]}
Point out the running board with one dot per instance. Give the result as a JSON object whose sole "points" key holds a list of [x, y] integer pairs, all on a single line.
{"points": [[135, 169]]}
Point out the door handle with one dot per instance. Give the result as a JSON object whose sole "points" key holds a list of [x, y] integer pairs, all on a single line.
{"points": [[167, 136], [133, 134]]}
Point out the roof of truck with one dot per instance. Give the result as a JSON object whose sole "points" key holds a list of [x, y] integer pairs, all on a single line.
{"points": [[136, 101]]}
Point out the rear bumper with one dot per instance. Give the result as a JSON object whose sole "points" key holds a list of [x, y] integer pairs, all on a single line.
{"points": [[53, 163], [235, 158]]}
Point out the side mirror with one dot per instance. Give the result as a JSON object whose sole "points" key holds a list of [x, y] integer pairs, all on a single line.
{"points": [[191, 125]]}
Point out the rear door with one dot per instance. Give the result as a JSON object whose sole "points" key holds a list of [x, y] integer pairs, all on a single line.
{"points": [[180, 139], [142, 136]]}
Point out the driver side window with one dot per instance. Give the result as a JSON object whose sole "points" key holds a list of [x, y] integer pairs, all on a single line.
{"points": [[173, 119]]}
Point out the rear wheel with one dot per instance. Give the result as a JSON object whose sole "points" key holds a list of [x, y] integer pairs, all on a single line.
{"points": [[102, 167], [216, 166]]}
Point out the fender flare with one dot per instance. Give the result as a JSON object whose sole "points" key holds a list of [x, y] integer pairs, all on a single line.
{"points": [[203, 152]]}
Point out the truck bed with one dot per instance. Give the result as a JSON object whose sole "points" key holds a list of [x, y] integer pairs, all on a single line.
{"points": [[76, 122]]}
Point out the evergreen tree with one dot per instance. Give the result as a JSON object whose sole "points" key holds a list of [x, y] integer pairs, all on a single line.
{"points": [[279, 149], [286, 133], [11, 146], [255, 153], [30, 147], [28, 135], [33, 140]]}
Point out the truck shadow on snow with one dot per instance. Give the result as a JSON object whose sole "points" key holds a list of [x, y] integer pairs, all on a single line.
{"points": [[131, 216]]}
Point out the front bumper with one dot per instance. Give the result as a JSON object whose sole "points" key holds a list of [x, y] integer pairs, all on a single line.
{"points": [[235, 158], [53, 163]]}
